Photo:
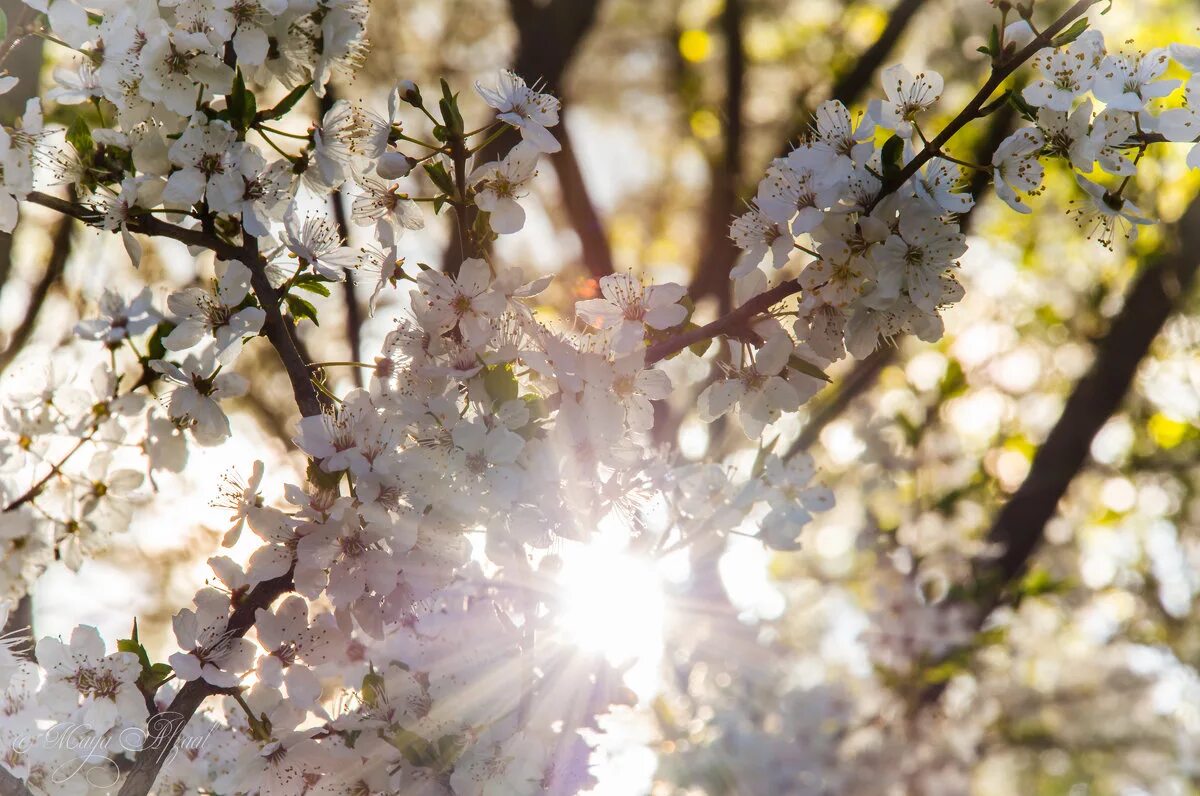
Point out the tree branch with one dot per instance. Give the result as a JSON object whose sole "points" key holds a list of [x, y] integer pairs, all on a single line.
{"points": [[851, 85], [737, 320], [718, 252], [349, 294], [1019, 528], [164, 728], [973, 109], [60, 251], [577, 201], [866, 371], [548, 37], [277, 330]]}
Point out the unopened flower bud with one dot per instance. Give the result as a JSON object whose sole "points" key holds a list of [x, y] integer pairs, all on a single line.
{"points": [[394, 165], [409, 92]]}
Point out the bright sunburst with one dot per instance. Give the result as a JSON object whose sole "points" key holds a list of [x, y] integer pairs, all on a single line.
{"points": [[613, 603]]}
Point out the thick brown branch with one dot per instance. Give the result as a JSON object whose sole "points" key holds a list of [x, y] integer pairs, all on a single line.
{"points": [[718, 252], [577, 201], [1020, 526], [349, 292], [59, 252], [11, 786], [738, 320], [278, 331], [166, 726]]}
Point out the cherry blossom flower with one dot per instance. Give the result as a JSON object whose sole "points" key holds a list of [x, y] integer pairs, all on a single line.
{"points": [[1107, 214], [467, 302], [756, 234], [210, 653], [1016, 167], [317, 242], [1068, 73], [199, 313], [907, 96], [118, 319], [107, 684], [792, 497], [915, 258], [629, 307], [525, 109], [499, 185], [194, 403], [1069, 136], [758, 389], [1127, 82], [241, 499], [293, 646], [203, 153], [1183, 124]]}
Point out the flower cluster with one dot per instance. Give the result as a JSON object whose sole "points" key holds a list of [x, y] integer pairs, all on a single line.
{"points": [[394, 629]]}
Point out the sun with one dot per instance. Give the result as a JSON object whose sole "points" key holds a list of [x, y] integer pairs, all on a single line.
{"points": [[612, 602]]}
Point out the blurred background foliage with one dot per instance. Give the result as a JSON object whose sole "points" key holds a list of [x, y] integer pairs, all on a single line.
{"points": [[1085, 680]]}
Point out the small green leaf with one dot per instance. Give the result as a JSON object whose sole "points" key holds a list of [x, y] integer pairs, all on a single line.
{"points": [[501, 383], [760, 458], [242, 105], [892, 157], [440, 177], [155, 349], [300, 309], [313, 283], [700, 347], [1024, 108], [284, 105], [1070, 34], [807, 368], [3, 25], [80, 137], [372, 688]]}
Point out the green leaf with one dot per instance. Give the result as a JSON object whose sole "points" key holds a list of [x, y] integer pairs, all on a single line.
{"points": [[300, 309], [1024, 108], [892, 157], [313, 283], [440, 177], [760, 458], [79, 135], [700, 347], [155, 349], [284, 105], [449, 749], [807, 368], [242, 105], [372, 688], [451, 116], [3, 25], [1070, 34], [1038, 582], [501, 383], [415, 749]]}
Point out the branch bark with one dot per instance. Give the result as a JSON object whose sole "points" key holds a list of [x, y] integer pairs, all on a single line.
{"points": [[548, 38], [59, 252], [718, 253], [1019, 528], [165, 727]]}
